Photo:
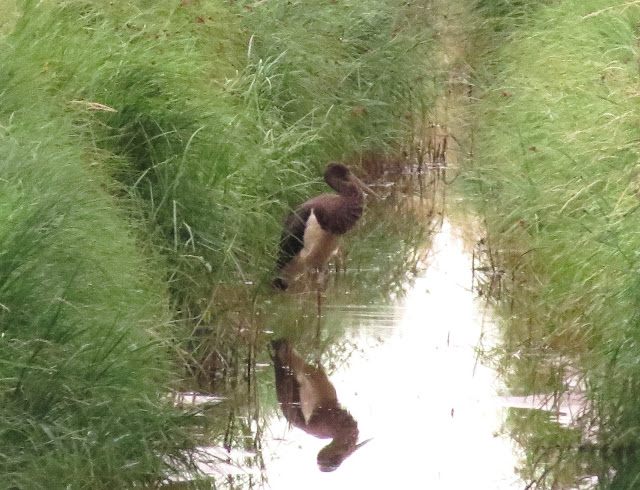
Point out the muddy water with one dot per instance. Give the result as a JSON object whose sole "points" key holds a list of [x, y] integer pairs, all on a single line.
{"points": [[415, 387]]}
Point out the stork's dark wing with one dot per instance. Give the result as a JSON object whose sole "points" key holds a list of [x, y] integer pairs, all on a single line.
{"points": [[291, 241], [287, 387], [336, 214]]}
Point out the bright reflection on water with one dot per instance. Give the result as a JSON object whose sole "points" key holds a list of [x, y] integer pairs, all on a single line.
{"points": [[416, 388]]}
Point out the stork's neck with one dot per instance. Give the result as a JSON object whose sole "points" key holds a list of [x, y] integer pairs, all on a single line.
{"points": [[350, 190], [346, 439], [345, 428], [333, 454]]}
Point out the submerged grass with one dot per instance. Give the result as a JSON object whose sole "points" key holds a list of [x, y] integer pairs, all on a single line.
{"points": [[555, 176], [150, 152]]}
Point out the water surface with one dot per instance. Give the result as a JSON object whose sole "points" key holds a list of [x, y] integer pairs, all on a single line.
{"points": [[397, 335], [415, 387]]}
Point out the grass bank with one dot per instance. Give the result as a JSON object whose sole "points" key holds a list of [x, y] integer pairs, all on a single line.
{"points": [[555, 177], [149, 155], [83, 317]]}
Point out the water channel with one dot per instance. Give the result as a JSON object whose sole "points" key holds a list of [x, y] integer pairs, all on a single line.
{"points": [[405, 333], [398, 336], [416, 388]]}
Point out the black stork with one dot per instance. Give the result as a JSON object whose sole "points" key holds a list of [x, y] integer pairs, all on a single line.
{"points": [[309, 402], [311, 232]]}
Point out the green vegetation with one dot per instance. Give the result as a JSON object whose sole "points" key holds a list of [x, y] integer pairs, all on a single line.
{"points": [[555, 176], [150, 151], [82, 316]]}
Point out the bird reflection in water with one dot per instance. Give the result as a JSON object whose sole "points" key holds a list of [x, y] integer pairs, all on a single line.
{"points": [[309, 401]]}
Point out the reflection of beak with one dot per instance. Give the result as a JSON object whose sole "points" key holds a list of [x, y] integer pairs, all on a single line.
{"points": [[359, 445], [365, 187]]}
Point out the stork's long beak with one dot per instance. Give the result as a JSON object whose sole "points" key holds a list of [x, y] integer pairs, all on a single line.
{"points": [[365, 187], [360, 444]]}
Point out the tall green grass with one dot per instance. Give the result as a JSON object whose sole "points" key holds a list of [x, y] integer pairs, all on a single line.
{"points": [[224, 114], [84, 370], [555, 176]]}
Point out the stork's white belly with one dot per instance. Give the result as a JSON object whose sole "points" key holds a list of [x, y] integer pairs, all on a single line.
{"points": [[315, 390], [319, 245]]}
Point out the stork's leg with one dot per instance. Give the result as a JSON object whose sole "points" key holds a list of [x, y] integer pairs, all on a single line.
{"points": [[343, 260], [336, 263], [339, 259], [320, 284]]}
